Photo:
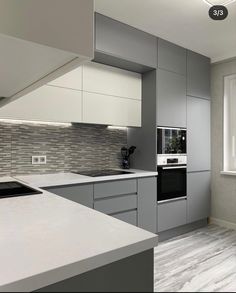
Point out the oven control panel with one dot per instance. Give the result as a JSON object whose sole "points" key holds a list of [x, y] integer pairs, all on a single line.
{"points": [[163, 160]]}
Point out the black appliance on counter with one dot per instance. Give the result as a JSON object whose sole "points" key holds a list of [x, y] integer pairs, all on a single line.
{"points": [[126, 153], [105, 172], [171, 164], [16, 189]]}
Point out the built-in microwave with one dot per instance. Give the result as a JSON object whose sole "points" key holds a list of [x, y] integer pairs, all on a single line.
{"points": [[171, 141]]}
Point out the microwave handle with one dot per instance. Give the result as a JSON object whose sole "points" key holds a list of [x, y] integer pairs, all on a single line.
{"points": [[173, 168]]}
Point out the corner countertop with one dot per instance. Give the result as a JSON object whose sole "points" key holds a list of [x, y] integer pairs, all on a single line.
{"points": [[45, 239], [60, 179]]}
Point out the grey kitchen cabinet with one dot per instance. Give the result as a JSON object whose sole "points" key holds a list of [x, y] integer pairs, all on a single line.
{"points": [[128, 217], [114, 188], [120, 40], [171, 99], [114, 205], [199, 196], [198, 135], [172, 57], [82, 194], [117, 199], [171, 214], [198, 75], [147, 203]]}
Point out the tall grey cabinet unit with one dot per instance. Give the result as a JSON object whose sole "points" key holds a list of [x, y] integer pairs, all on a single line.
{"points": [[198, 135], [171, 85], [198, 72], [198, 146], [171, 57], [198, 196], [171, 99], [118, 40]]}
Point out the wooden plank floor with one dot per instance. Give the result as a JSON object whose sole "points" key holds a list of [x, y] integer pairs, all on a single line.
{"points": [[200, 261]]}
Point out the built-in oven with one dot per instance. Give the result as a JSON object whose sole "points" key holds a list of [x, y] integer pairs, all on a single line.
{"points": [[171, 163], [171, 141], [171, 182]]}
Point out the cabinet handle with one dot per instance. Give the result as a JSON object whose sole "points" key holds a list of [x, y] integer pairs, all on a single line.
{"points": [[172, 200], [173, 168]]}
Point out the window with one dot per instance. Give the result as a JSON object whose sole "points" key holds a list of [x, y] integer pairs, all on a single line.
{"points": [[230, 123]]}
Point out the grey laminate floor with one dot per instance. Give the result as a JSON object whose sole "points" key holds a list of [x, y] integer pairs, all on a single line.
{"points": [[200, 261]]}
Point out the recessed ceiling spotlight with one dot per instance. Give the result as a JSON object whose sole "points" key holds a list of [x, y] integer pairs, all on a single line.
{"points": [[224, 3]]}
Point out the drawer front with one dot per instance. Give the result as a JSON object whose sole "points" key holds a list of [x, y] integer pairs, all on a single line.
{"points": [[107, 189], [128, 217], [82, 194], [117, 204], [171, 215]]}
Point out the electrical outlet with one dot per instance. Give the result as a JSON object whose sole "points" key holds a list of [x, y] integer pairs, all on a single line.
{"points": [[39, 160], [43, 160]]}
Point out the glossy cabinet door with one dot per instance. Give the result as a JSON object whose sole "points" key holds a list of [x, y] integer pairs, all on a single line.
{"points": [[120, 40], [110, 110], [171, 215], [82, 194], [172, 57], [48, 103], [198, 196], [147, 204], [108, 80], [171, 99], [198, 75], [198, 134]]}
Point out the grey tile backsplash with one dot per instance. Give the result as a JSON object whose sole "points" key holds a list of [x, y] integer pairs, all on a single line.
{"points": [[79, 147]]}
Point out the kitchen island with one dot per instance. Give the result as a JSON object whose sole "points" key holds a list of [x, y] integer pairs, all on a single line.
{"points": [[48, 243]]}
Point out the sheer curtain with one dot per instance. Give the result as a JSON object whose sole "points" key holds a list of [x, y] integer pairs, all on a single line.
{"points": [[230, 123]]}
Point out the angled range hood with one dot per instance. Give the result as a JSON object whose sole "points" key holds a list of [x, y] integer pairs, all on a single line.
{"points": [[41, 40]]}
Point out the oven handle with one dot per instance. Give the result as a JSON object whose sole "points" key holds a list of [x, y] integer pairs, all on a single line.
{"points": [[173, 168], [172, 200]]}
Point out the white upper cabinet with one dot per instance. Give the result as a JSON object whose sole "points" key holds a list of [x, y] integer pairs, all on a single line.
{"points": [[40, 41], [50, 104], [108, 80], [71, 80], [93, 93], [111, 96], [111, 110]]}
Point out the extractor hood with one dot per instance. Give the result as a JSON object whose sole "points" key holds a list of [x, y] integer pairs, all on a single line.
{"points": [[41, 40]]}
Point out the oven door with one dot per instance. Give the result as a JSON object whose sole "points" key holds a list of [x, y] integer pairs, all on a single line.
{"points": [[172, 182]]}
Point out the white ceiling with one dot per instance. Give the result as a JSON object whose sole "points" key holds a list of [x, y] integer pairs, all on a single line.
{"points": [[183, 22]]}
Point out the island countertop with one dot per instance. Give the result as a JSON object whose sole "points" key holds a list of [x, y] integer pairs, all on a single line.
{"points": [[45, 239]]}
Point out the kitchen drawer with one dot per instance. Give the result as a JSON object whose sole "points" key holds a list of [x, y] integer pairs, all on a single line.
{"points": [[171, 215], [116, 204], [82, 194], [128, 217], [107, 189]]}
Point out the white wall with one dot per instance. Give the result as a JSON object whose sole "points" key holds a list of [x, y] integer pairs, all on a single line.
{"points": [[223, 187]]}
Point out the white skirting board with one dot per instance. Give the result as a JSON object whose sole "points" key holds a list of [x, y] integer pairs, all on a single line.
{"points": [[223, 223]]}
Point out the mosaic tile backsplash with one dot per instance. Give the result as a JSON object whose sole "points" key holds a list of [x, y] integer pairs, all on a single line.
{"points": [[75, 148]]}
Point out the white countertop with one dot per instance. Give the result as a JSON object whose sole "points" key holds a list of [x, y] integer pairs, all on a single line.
{"points": [[59, 179], [45, 239]]}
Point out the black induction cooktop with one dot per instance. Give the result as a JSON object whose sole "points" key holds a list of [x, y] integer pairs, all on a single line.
{"points": [[100, 173], [16, 189]]}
